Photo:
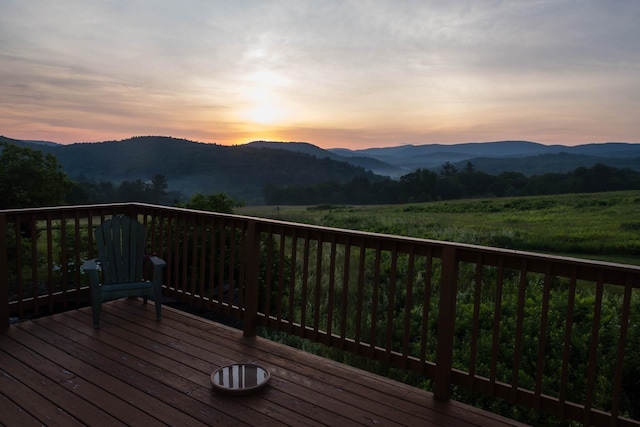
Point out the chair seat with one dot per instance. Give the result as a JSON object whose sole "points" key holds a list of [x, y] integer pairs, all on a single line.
{"points": [[118, 287]]}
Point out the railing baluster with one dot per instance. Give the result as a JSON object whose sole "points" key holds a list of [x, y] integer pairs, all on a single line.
{"points": [[517, 350], [242, 265], [566, 353], [212, 263], [202, 232], [4, 278], [495, 335], [222, 268], [360, 294], [374, 303], [318, 288], [191, 230], [391, 297], [268, 278], [281, 272], [19, 290], [161, 240], [593, 350], [332, 286], [542, 339], [64, 260], [50, 284], [231, 279], [408, 306], [172, 254], [475, 328], [78, 255], [345, 293], [33, 234], [184, 279], [292, 281], [426, 306], [305, 285], [622, 345], [253, 260]]}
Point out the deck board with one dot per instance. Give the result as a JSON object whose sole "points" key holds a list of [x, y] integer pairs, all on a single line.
{"points": [[58, 370]]}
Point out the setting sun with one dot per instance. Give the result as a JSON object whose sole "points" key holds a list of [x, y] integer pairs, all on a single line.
{"points": [[263, 114], [263, 108], [262, 97]]}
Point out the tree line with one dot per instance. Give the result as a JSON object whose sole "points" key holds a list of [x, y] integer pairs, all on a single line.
{"points": [[449, 183], [240, 171], [31, 178]]}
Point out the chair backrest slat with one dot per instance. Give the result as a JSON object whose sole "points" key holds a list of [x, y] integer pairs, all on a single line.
{"points": [[121, 245]]}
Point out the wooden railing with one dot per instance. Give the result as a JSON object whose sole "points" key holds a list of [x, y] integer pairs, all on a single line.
{"points": [[556, 335]]}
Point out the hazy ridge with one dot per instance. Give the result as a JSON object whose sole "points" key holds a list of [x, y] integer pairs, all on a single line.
{"points": [[242, 171]]}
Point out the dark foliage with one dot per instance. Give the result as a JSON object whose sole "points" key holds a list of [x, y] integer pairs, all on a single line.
{"points": [[191, 167], [148, 191], [297, 173], [425, 185], [30, 178]]}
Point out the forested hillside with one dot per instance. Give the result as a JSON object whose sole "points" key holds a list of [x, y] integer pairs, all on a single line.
{"points": [[551, 163], [368, 163], [526, 157], [190, 167], [301, 173], [450, 183]]}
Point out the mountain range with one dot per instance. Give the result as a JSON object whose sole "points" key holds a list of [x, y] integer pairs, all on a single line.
{"points": [[242, 171], [528, 158]]}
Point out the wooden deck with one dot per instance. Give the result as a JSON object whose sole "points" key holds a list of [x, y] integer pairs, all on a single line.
{"points": [[58, 370]]}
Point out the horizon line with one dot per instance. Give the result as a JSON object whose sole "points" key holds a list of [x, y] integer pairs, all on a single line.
{"points": [[319, 146]]}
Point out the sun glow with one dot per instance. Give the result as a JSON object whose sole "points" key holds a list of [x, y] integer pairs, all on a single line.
{"points": [[263, 98], [264, 107], [263, 114]]}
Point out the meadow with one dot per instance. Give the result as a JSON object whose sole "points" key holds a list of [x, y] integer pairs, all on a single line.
{"points": [[601, 226]]}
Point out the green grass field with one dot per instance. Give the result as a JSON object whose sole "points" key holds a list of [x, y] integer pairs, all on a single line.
{"points": [[602, 226]]}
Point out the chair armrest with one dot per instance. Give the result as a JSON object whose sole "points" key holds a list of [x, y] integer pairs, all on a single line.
{"points": [[91, 264], [157, 262], [91, 267], [158, 265]]}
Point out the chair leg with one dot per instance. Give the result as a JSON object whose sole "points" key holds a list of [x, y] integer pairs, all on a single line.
{"points": [[96, 307], [157, 298]]}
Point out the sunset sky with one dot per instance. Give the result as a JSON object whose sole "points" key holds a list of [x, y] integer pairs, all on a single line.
{"points": [[353, 74]]}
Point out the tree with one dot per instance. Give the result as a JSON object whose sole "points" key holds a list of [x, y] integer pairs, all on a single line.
{"points": [[134, 191], [469, 168], [448, 169], [30, 178], [158, 188], [218, 202], [418, 186]]}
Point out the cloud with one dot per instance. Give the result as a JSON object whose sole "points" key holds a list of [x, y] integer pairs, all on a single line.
{"points": [[424, 70]]}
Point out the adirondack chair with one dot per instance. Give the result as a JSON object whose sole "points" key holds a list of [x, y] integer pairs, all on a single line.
{"points": [[121, 245]]}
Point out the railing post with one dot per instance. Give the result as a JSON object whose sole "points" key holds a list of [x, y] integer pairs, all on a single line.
{"points": [[4, 279], [251, 286], [446, 324]]}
